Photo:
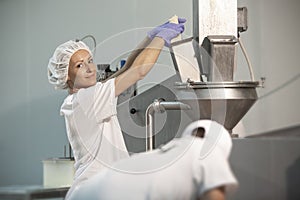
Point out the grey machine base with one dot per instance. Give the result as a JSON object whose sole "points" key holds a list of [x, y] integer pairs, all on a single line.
{"points": [[267, 166]]}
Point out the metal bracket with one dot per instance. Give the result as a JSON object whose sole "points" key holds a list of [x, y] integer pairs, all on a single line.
{"points": [[242, 19]]}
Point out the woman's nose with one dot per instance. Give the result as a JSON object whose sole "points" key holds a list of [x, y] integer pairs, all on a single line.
{"points": [[89, 67]]}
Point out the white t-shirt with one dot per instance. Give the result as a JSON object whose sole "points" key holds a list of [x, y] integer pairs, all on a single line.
{"points": [[93, 129], [184, 168]]}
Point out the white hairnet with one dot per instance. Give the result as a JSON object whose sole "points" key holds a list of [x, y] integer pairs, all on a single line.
{"points": [[59, 63]]}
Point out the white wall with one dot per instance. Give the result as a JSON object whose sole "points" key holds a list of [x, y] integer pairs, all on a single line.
{"points": [[273, 45], [30, 126]]}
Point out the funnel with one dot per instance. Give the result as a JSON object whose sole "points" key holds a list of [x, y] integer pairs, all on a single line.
{"points": [[224, 102], [207, 80]]}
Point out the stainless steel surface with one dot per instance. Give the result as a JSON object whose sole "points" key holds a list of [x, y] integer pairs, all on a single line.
{"points": [[216, 96], [220, 98], [131, 115], [199, 85], [292, 132], [217, 17], [160, 107], [185, 57], [225, 103], [266, 168], [221, 58]]}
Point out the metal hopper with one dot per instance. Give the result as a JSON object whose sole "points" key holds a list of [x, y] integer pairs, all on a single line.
{"points": [[207, 61]]}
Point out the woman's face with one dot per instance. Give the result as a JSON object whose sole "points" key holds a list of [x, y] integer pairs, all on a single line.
{"points": [[82, 70]]}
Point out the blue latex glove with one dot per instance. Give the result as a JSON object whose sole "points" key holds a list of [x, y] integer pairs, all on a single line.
{"points": [[170, 32], [151, 34]]}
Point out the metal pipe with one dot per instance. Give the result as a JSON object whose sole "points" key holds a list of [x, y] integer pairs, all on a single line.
{"points": [[160, 107]]}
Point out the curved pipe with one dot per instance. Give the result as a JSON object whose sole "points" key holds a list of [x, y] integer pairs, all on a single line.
{"points": [[160, 107]]}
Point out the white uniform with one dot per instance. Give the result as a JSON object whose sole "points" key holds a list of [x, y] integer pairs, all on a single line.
{"points": [[93, 130], [184, 168]]}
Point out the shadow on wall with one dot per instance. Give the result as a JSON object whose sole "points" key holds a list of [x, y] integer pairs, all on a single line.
{"points": [[293, 181], [30, 133]]}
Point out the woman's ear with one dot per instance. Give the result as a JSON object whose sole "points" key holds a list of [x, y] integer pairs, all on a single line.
{"points": [[69, 82]]}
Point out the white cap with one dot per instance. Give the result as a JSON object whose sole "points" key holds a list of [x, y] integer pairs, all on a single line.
{"points": [[215, 135], [59, 63]]}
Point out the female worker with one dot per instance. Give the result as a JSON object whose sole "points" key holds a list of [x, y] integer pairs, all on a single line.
{"points": [[90, 108]]}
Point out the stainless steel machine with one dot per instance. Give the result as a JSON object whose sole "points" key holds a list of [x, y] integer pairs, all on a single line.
{"points": [[214, 94], [204, 86], [267, 166]]}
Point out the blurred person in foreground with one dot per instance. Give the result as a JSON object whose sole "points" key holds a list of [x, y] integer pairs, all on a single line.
{"points": [[194, 166]]}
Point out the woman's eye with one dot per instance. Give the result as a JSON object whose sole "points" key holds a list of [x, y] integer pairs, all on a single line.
{"points": [[80, 65]]}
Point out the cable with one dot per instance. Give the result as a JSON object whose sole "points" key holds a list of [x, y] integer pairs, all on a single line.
{"points": [[247, 59], [94, 40], [288, 82]]}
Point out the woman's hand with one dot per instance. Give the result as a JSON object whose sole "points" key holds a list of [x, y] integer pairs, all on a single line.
{"points": [[151, 34], [170, 31]]}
